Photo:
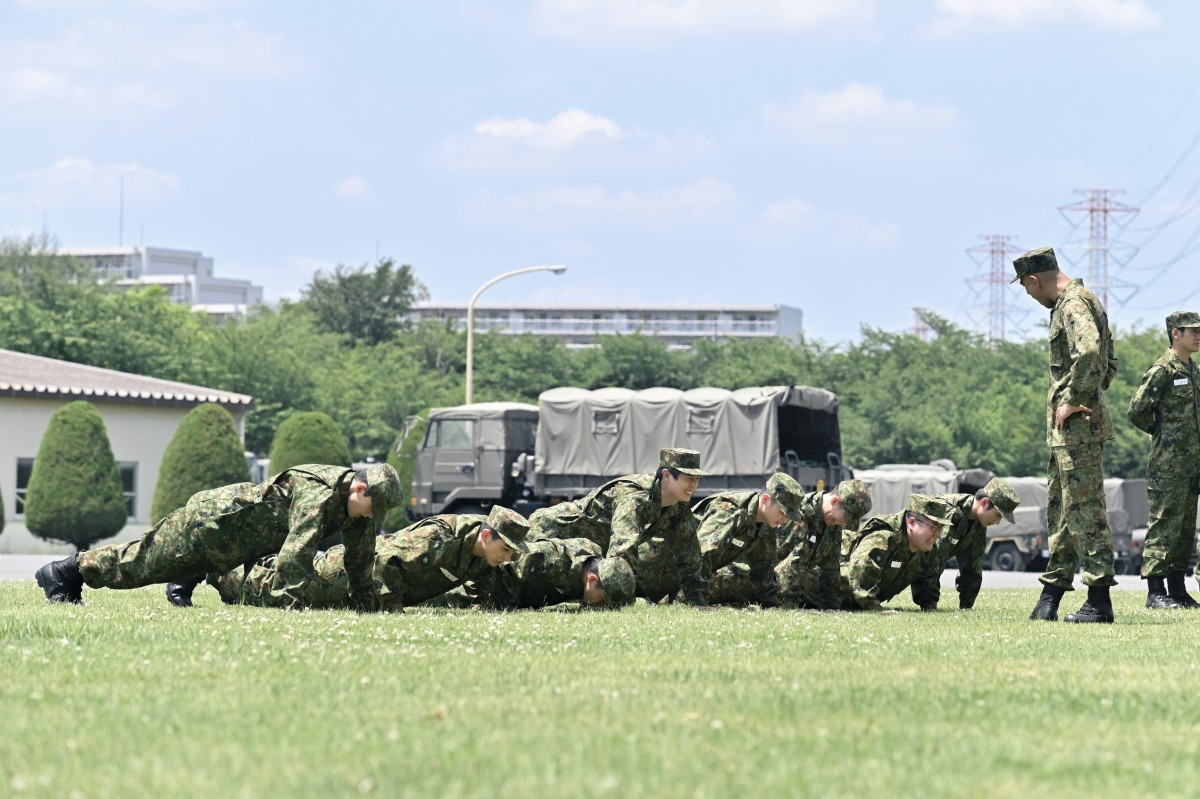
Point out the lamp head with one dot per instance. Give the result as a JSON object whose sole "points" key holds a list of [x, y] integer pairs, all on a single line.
{"points": [[558, 270]]}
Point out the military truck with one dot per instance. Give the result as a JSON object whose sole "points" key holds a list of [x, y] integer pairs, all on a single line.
{"points": [[525, 457]]}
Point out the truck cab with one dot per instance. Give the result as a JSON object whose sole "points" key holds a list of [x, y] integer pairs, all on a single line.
{"points": [[464, 464]]}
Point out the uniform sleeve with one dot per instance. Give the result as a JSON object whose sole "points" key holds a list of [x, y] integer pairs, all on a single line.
{"points": [[927, 588], [970, 569], [631, 510], [693, 581], [1090, 365], [829, 581], [1143, 406], [359, 541], [716, 535], [760, 557], [307, 513], [864, 570]]}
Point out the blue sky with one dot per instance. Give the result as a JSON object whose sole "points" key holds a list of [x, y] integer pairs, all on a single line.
{"points": [[837, 155]]}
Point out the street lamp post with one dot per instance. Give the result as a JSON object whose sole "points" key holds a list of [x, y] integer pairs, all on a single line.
{"points": [[557, 269]]}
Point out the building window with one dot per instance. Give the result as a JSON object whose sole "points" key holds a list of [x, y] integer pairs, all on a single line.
{"points": [[128, 486], [24, 469], [606, 423]]}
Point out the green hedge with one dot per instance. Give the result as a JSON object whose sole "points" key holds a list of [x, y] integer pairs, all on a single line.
{"points": [[308, 437], [204, 453], [75, 492]]}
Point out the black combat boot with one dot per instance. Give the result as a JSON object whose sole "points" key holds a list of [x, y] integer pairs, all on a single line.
{"points": [[1097, 609], [1046, 608], [61, 581], [180, 593], [1178, 591], [1156, 596]]}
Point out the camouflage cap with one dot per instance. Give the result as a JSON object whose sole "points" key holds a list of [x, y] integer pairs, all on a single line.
{"points": [[510, 526], [931, 508], [681, 460], [1031, 263], [856, 500], [1182, 319], [784, 489], [383, 486], [1003, 497], [616, 578]]}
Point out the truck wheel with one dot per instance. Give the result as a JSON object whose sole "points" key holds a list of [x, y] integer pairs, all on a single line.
{"points": [[1007, 558]]}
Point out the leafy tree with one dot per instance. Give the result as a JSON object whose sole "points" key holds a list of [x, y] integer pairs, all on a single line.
{"points": [[204, 453], [633, 361], [75, 492], [402, 456], [360, 305], [308, 437], [518, 368], [29, 264]]}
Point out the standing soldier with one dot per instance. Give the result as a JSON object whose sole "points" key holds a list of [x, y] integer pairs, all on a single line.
{"points": [[1082, 365], [1167, 406], [226, 527], [412, 565], [737, 539], [890, 552], [643, 518], [965, 541]]}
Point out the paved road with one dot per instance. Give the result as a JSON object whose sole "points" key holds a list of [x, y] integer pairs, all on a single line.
{"points": [[22, 567]]}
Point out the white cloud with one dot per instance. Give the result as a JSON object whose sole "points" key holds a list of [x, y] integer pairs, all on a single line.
{"points": [[354, 190], [859, 115], [796, 219], [56, 90], [1116, 16], [572, 137], [651, 21], [702, 201], [81, 183]]}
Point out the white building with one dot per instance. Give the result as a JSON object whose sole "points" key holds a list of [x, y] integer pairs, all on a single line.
{"points": [[141, 415], [579, 325], [187, 277]]}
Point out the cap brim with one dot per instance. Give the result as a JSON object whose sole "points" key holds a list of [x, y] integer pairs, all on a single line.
{"points": [[692, 472], [1015, 279], [1008, 516], [520, 546]]}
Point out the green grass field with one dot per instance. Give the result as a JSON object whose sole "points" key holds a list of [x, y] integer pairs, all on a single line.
{"points": [[130, 697]]}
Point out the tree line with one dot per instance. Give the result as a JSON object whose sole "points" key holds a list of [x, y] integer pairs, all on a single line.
{"points": [[345, 349]]}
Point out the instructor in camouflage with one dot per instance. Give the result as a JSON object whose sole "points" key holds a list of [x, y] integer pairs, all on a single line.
{"points": [[1167, 406], [965, 541], [226, 527], [412, 565], [889, 552], [645, 519], [1082, 365]]}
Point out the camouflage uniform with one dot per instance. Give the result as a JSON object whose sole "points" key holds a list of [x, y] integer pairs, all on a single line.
{"points": [[877, 563], [809, 552], [1167, 406], [1082, 364], [728, 532], [626, 518], [965, 541], [226, 527], [412, 565]]}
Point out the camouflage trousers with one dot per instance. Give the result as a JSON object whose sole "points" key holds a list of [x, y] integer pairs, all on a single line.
{"points": [[660, 573], [800, 585], [735, 585], [171, 550], [1077, 518], [329, 587], [1171, 535]]}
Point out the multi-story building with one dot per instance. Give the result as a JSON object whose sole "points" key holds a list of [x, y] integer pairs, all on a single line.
{"points": [[186, 275], [580, 325]]}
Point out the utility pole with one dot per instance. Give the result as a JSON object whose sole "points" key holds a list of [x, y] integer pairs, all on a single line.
{"points": [[1099, 206], [921, 328], [997, 248]]}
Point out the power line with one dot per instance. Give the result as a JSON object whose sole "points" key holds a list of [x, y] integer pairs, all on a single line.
{"points": [[997, 248]]}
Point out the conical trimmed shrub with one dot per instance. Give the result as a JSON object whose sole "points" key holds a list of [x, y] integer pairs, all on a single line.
{"points": [[75, 492], [308, 437], [204, 453]]}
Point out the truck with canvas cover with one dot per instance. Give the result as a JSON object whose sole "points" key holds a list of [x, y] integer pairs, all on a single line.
{"points": [[585, 438]]}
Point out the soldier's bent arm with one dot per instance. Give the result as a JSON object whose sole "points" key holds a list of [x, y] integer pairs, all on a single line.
{"points": [[1143, 406], [693, 580], [926, 588], [865, 570], [308, 513], [829, 581], [359, 541], [629, 523], [1090, 364], [970, 571]]}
